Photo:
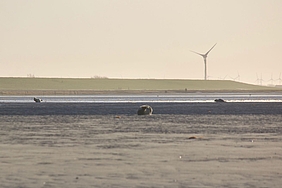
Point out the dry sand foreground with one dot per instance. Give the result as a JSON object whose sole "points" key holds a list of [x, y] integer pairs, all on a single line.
{"points": [[141, 151]]}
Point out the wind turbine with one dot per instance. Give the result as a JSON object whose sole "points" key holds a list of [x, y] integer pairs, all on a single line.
{"points": [[261, 79], [205, 59], [257, 80], [271, 80], [236, 78], [279, 78]]}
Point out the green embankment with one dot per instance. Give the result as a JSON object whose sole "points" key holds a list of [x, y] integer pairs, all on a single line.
{"points": [[79, 84]]}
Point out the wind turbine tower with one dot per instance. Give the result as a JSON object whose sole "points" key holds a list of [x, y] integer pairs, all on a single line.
{"points": [[205, 59]]}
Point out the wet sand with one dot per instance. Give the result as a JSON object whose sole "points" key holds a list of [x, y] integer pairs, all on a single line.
{"points": [[108, 145]]}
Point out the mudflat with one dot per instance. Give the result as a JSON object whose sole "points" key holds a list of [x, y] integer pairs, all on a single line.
{"points": [[108, 145]]}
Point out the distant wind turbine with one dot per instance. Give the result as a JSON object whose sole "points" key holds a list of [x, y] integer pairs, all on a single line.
{"points": [[271, 80], [236, 78], [279, 79], [261, 80], [205, 59], [257, 80]]}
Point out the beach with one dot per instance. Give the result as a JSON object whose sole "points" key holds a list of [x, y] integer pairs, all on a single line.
{"points": [[109, 145]]}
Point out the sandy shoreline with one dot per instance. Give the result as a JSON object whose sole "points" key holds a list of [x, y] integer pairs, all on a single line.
{"points": [[126, 150], [150, 160]]}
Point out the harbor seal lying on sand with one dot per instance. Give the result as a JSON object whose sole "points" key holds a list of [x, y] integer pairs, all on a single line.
{"points": [[37, 99], [145, 110], [219, 100]]}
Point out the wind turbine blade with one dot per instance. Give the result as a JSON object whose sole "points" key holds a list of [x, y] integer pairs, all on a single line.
{"points": [[197, 53], [210, 49]]}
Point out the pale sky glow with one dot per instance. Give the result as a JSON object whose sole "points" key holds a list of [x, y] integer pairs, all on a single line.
{"points": [[141, 39]]}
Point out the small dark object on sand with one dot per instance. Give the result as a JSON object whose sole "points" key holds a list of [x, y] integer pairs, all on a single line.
{"points": [[219, 100], [37, 99], [145, 110], [192, 137]]}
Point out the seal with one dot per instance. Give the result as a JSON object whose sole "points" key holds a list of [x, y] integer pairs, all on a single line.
{"points": [[145, 110], [37, 100], [219, 100]]}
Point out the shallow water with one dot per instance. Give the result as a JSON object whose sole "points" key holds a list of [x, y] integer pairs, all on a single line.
{"points": [[227, 108], [164, 98]]}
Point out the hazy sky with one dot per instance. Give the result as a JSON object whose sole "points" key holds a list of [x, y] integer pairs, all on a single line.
{"points": [[141, 38]]}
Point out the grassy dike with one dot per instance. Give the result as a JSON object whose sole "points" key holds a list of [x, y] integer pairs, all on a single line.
{"points": [[73, 86]]}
